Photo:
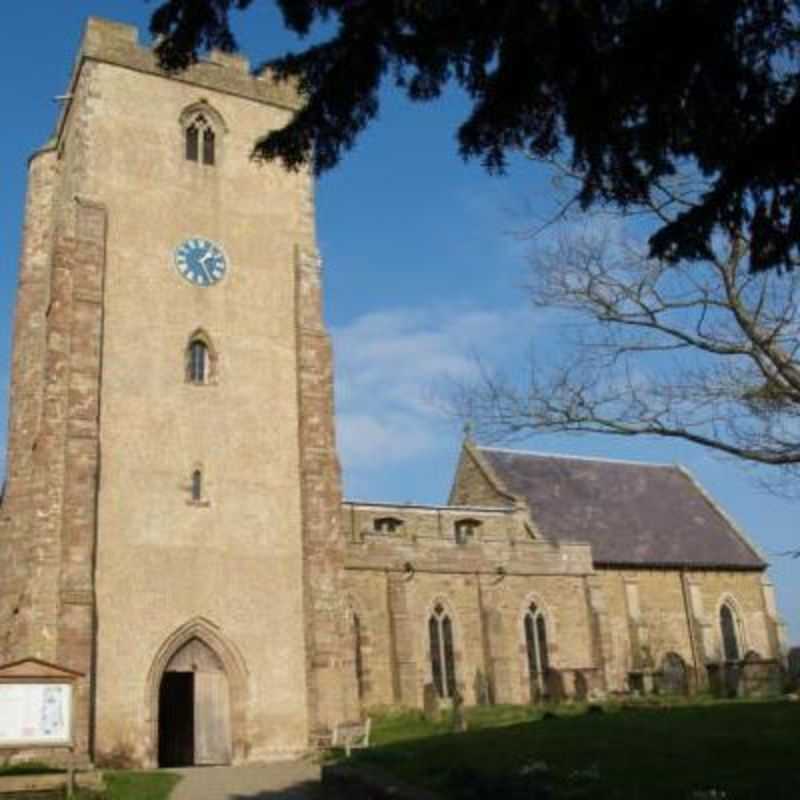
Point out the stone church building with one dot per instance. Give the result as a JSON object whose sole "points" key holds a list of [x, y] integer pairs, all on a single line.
{"points": [[173, 527]]}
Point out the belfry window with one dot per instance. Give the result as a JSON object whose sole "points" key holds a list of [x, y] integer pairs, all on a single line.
{"points": [[200, 141], [198, 361], [536, 648], [443, 664], [192, 143], [728, 625], [208, 147]]}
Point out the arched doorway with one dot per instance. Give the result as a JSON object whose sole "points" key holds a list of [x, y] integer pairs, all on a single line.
{"points": [[194, 718]]}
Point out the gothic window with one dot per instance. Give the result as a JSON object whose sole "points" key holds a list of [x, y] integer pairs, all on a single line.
{"points": [[466, 530], [192, 143], [443, 665], [387, 525], [197, 486], [200, 359], [536, 648], [208, 147], [200, 140], [198, 362], [729, 634]]}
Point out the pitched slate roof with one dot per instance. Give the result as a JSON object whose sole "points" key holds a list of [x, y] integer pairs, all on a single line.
{"points": [[631, 513]]}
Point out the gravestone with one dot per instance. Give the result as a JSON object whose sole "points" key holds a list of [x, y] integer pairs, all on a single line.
{"points": [[430, 702]]}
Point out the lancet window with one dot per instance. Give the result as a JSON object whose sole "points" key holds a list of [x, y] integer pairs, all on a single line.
{"points": [[443, 664]]}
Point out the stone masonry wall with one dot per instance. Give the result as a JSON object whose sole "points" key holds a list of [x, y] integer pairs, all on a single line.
{"points": [[20, 553], [487, 583], [330, 654], [603, 625]]}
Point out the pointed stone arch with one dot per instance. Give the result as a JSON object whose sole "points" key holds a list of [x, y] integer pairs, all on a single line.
{"points": [[537, 643], [729, 606], [443, 647], [233, 664], [201, 123]]}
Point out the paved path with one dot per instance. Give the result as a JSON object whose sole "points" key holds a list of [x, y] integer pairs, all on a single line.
{"points": [[292, 780]]}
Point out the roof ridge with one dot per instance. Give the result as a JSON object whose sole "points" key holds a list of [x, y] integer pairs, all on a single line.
{"points": [[569, 456], [427, 506]]}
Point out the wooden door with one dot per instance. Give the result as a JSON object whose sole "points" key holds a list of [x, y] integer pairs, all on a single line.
{"points": [[212, 719]]}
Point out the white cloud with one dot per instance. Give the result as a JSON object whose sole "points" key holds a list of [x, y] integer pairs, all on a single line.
{"points": [[389, 363]]}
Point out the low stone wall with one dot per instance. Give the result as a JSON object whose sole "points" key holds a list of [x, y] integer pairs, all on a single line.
{"points": [[45, 787]]}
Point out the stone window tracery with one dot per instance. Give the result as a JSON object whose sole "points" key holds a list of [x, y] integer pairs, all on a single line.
{"points": [[200, 140], [202, 130], [537, 648], [443, 664]]}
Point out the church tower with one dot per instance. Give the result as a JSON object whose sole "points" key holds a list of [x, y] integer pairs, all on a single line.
{"points": [[171, 523]]}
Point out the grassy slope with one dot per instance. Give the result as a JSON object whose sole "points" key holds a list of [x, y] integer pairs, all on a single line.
{"points": [[139, 785], [751, 750]]}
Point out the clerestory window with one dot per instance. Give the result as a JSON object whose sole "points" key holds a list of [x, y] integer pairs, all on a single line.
{"points": [[387, 525], [466, 530]]}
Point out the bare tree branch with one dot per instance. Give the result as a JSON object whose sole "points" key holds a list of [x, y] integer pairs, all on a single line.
{"points": [[707, 352]]}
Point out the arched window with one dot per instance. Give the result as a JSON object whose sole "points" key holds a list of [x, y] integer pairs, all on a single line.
{"points": [[443, 664], [729, 634], [197, 485], [198, 361], [200, 140], [536, 648], [208, 147]]}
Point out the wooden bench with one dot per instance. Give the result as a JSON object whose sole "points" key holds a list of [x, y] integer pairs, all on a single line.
{"points": [[348, 735]]}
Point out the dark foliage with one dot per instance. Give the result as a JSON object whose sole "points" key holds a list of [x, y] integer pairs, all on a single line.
{"points": [[629, 89]]}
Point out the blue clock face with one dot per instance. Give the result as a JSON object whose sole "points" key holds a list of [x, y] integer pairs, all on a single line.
{"points": [[201, 261]]}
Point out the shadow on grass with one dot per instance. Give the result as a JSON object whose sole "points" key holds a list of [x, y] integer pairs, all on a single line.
{"points": [[747, 750], [304, 790]]}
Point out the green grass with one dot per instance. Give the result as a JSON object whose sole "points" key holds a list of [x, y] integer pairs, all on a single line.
{"points": [[129, 785], [749, 750]]}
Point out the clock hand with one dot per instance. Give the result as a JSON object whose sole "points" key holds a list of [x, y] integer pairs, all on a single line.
{"points": [[202, 266]]}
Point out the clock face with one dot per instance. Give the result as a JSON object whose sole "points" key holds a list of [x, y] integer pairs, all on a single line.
{"points": [[201, 261]]}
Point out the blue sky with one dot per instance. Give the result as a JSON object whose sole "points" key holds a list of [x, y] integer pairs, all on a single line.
{"points": [[421, 271]]}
